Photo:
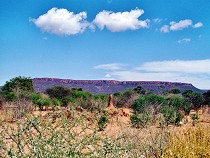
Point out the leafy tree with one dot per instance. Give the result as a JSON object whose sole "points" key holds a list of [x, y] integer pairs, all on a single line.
{"points": [[174, 91], [16, 87], [140, 90], [195, 98], [80, 94], [141, 104], [102, 97], [58, 92], [206, 96], [179, 102]]}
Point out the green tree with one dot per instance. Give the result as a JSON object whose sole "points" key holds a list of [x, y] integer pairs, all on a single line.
{"points": [[206, 96], [140, 90], [174, 91], [195, 98], [140, 105], [58, 92], [17, 87]]}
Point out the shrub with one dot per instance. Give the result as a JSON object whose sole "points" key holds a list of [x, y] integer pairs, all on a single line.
{"points": [[125, 99], [174, 91], [179, 103], [143, 102], [102, 97], [169, 113], [58, 92], [140, 120], [102, 123], [80, 94], [194, 97], [140, 90]]}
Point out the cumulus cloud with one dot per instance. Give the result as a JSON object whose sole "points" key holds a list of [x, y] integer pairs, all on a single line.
{"points": [[164, 28], [197, 25], [62, 22], [184, 40], [182, 24], [120, 21], [113, 66]]}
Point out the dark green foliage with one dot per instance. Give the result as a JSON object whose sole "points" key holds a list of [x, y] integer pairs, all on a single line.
{"points": [[140, 90], [186, 92], [195, 98], [179, 117], [116, 94], [143, 102], [35, 97], [174, 91], [17, 86], [179, 103], [169, 113], [80, 94], [58, 92], [102, 97], [102, 123], [206, 96]]}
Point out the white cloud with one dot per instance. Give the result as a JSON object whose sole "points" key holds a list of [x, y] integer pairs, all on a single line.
{"points": [[181, 66], [120, 21], [184, 40], [182, 24], [62, 22], [157, 20], [201, 82], [165, 28], [113, 66], [108, 76], [196, 72], [197, 25]]}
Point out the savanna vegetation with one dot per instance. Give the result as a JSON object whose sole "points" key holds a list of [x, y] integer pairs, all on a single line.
{"points": [[65, 122]]}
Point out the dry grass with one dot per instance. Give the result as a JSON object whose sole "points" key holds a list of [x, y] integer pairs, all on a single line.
{"points": [[50, 134], [191, 143]]}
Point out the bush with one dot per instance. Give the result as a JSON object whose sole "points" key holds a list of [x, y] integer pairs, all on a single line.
{"points": [[140, 105], [58, 92], [169, 113], [174, 91], [195, 98], [140, 120], [125, 99], [102, 97], [80, 94], [179, 103], [102, 123], [140, 90]]}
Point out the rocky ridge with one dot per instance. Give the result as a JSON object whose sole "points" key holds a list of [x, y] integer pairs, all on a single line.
{"points": [[110, 86]]}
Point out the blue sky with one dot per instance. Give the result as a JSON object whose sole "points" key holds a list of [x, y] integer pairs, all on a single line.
{"points": [[145, 40]]}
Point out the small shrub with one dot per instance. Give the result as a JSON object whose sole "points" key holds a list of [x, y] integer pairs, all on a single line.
{"points": [[102, 123], [140, 120], [195, 118], [169, 114]]}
